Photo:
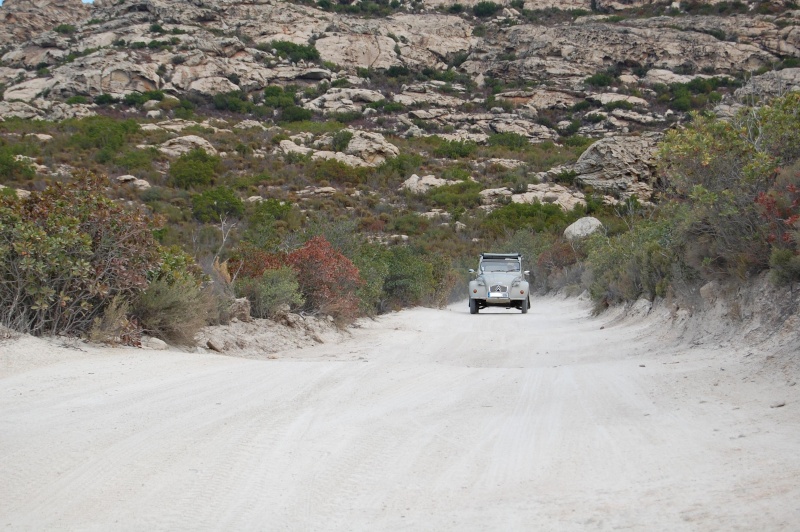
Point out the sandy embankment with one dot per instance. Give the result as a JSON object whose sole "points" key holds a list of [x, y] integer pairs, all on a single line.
{"points": [[422, 420]]}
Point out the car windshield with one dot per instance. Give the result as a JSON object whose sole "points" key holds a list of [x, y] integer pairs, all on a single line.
{"points": [[500, 266]]}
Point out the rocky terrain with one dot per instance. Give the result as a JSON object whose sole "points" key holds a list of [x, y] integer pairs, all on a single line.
{"points": [[62, 51]]}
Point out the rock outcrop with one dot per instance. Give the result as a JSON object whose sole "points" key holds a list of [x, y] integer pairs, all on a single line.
{"points": [[620, 166], [567, 54], [771, 84], [420, 185], [365, 148], [20, 20]]}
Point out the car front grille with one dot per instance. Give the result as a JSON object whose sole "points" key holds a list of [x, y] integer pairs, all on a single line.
{"points": [[499, 288]]}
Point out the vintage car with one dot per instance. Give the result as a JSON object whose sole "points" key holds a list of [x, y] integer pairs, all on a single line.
{"points": [[500, 282]]}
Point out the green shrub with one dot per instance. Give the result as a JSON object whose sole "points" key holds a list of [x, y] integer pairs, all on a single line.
{"points": [[278, 98], [784, 266], [131, 160], [293, 113], [263, 227], [78, 99], [535, 216], [601, 79], [631, 265], [114, 326], [594, 118], [102, 133], [294, 52], [65, 29], [334, 171], [346, 117], [397, 71], [722, 172], [577, 141], [185, 109], [65, 253], [455, 149], [215, 204], [409, 224], [485, 9], [234, 101], [780, 125], [372, 261], [566, 177], [139, 98], [341, 139], [573, 127], [13, 170], [409, 279], [173, 311], [194, 169], [270, 292], [465, 195], [619, 104], [104, 99], [513, 141]]}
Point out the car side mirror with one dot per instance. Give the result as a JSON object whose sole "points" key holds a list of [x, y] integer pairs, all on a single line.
{"points": [[471, 270], [527, 272]]}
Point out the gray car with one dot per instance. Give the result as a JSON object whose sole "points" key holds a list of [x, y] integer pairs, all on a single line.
{"points": [[500, 282]]}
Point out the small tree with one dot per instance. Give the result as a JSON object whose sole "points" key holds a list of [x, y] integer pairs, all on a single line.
{"points": [[13, 170], [216, 204], [194, 169], [486, 9]]}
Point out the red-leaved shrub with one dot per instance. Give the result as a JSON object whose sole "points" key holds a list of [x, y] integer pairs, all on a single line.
{"points": [[250, 261], [328, 280]]}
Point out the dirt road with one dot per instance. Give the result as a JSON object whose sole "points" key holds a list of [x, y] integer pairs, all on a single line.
{"points": [[423, 420]]}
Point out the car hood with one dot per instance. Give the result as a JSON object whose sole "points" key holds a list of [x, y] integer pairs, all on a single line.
{"points": [[493, 278]]}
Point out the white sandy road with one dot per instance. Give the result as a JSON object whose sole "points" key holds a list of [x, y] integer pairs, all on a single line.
{"points": [[423, 420]]}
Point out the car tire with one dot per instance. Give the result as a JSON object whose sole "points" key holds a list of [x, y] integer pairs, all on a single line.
{"points": [[473, 306], [524, 306]]}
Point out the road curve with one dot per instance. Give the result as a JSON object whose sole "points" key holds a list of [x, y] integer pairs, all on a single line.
{"points": [[422, 420]]}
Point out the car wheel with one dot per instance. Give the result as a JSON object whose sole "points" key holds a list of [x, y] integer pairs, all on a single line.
{"points": [[473, 306], [524, 306]]}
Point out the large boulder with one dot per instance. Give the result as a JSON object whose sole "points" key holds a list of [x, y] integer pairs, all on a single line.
{"points": [[540, 98], [40, 109], [621, 166], [772, 83], [582, 228], [421, 185], [339, 100], [612, 97], [553, 193], [180, 145], [372, 148], [358, 50]]}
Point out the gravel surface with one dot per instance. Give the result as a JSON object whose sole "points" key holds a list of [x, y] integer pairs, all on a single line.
{"points": [[420, 420]]}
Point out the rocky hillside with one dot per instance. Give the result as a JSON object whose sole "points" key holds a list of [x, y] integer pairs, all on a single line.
{"points": [[597, 69]]}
